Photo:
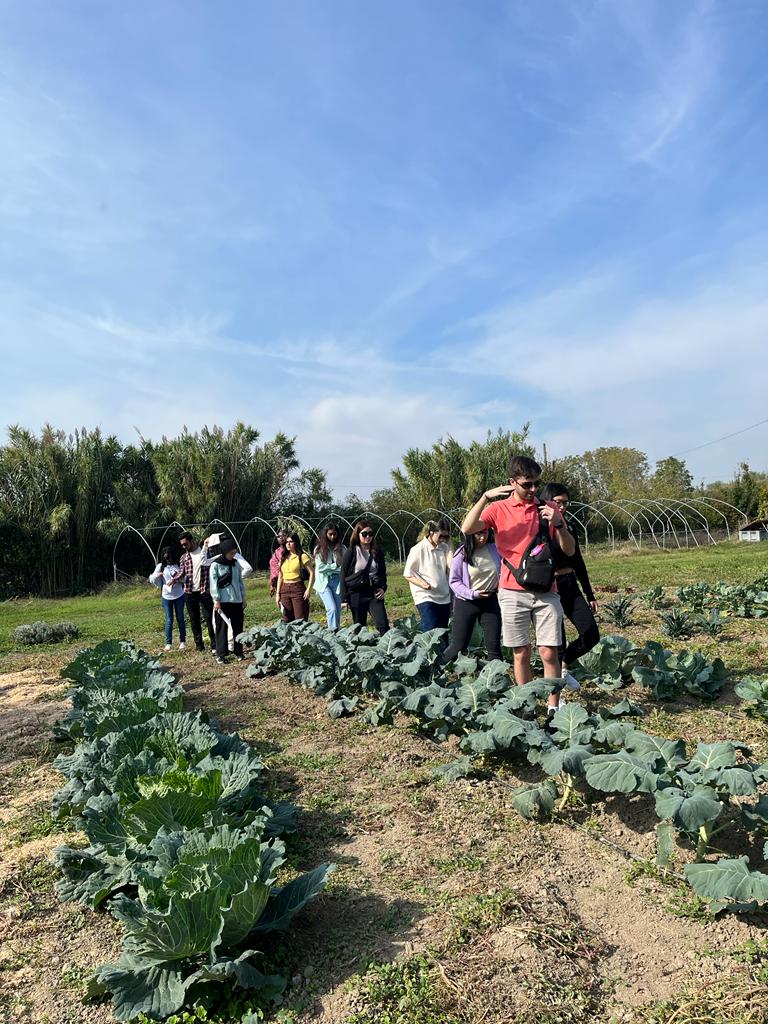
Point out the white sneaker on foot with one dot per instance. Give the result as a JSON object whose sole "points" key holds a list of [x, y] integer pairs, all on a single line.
{"points": [[571, 682], [182, 646], [167, 647]]}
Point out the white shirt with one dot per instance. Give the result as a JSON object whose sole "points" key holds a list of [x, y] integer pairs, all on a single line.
{"points": [[432, 563], [161, 577], [198, 560]]}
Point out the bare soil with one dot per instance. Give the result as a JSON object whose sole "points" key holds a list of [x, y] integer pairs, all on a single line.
{"points": [[517, 916]]}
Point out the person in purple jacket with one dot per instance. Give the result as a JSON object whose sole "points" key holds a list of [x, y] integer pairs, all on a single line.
{"points": [[474, 580]]}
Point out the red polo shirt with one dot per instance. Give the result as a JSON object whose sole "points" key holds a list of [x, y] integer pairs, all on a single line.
{"points": [[515, 524]]}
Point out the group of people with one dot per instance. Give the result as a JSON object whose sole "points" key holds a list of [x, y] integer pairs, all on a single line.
{"points": [[207, 581], [519, 568]]}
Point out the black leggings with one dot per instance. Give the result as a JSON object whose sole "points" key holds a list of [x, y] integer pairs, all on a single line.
{"points": [[361, 602], [465, 615], [576, 609], [235, 613]]}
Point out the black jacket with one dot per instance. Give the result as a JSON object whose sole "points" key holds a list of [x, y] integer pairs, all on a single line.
{"points": [[348, 574], [575, 562]]}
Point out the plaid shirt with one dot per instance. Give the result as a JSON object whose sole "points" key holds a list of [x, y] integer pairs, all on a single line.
{"points": [[274, 565], [187, 572]]}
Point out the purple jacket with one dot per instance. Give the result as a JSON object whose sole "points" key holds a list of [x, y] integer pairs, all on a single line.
{"points": [[459, 575]]}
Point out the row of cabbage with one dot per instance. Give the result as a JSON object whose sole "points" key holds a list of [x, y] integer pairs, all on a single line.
{"points": [[183, 850], [746, 601], [697, 795]]}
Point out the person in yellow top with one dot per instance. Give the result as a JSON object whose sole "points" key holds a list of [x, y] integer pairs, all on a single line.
{"points": [[294, 581]]}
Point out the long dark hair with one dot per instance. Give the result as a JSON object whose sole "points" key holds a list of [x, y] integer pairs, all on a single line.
{"points": [[469, 544], [363, 524], [298, 549], [324, 546], [167, 556], [553, 490]]}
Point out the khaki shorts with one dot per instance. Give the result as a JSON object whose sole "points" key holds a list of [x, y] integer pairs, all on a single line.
{"points": [[520, 608]]}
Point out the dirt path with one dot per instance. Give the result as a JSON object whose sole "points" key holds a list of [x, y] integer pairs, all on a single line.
{"points": [[514, 921], [417, 857]]}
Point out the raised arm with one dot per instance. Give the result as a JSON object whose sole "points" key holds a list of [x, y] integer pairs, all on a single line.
{"points": [[473, 520]]}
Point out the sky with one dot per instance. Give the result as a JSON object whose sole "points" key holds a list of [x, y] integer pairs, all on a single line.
{"points": [[374, 225]]}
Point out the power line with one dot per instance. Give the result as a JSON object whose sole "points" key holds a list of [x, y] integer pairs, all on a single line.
{"points": [[723, 438]]}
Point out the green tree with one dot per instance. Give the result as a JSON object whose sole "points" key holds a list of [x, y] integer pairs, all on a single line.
{"points": [[671, 479], [450, 475]]}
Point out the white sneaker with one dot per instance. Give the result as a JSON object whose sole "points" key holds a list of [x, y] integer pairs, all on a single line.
{"points": [[182, 646], [571, 682], [167, 647]]}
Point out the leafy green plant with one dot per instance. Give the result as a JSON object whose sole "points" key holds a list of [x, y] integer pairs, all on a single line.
{"points": [[711, 622], [755, 693], [669, 675], [619, 612], [182, 848], [654, 598], [676, 623]]}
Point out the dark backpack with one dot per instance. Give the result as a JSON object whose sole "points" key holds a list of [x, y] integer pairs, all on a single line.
{"points": [[537, 566]]}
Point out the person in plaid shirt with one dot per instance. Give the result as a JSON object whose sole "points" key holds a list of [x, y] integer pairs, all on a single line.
{"points": [[195, 577], [275, 560]]}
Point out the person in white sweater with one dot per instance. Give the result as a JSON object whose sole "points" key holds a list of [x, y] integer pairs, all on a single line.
{"points": [[168, 577]]}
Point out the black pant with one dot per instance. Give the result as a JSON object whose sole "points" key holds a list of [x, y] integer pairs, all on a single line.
{"points": [[235, 614], [465, 615], [576, 609], [363, 601], [196, 601]]}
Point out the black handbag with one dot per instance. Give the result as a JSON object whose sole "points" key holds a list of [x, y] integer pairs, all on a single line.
{"points": [[537, 566], [360, 579]]}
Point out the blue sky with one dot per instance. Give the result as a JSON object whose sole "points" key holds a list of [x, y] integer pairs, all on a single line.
{"points": [[372, 225]]}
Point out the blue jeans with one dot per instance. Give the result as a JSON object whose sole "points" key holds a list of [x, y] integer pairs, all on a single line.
{"points": [[433, 616], [177, 606], [331, 598]]}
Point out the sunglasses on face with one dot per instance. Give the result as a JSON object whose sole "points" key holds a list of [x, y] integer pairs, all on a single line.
{"points": [[528, 485], [366, 533]]}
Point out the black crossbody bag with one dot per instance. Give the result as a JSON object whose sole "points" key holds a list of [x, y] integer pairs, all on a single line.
{"points": [[537, 566], [360, 579]]}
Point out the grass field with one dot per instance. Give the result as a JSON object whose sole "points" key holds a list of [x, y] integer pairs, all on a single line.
{"points": [[133, 610], [447, 907]]}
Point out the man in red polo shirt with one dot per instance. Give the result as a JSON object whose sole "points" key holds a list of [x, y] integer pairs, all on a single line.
{"points": [[515, 522]]}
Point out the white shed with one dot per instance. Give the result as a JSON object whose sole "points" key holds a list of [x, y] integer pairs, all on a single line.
{"points": [[757, 530]]}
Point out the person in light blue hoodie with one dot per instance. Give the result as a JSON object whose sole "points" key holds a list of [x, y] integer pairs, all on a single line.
{"points": [[168, 577], [328, 557], [474, 580]]}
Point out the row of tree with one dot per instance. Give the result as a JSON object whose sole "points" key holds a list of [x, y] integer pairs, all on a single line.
{"points": [[66, 499]]}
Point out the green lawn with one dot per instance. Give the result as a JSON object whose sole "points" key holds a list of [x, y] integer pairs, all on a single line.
{"points": [[135, 612]]}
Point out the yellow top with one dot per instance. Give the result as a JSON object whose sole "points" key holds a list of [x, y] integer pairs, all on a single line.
{"points": [[289, 569]]}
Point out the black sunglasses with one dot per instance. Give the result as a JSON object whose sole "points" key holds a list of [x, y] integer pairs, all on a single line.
{"points": [[366, 533], [528, 485]]}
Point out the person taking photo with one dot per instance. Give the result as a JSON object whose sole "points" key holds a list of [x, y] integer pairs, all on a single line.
{"points": [[579, 608], [427, 568], [364, 578], [525, 530], [168, 577]]}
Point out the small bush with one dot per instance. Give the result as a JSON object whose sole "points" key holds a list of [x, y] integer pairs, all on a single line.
{"points": [[42, 633]]}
